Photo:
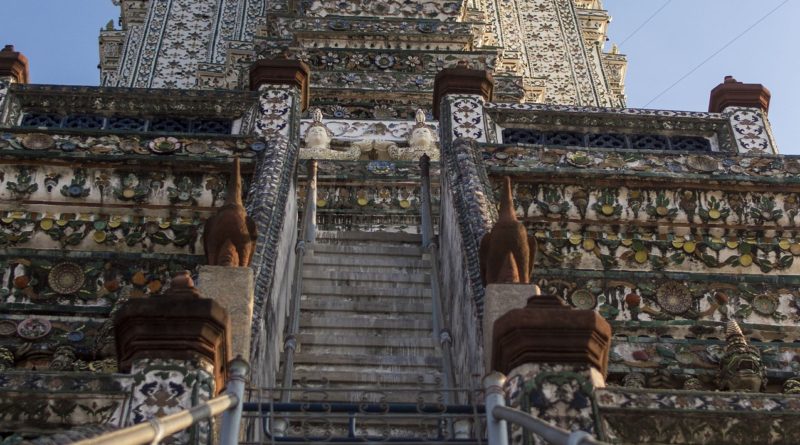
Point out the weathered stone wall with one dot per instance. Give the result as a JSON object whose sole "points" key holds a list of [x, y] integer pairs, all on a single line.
{"points": [[268, 346], [458, 298], [47, 401], [272, 203]]}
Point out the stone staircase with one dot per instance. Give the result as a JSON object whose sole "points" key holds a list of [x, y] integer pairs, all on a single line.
{"points": [[366, 316]]}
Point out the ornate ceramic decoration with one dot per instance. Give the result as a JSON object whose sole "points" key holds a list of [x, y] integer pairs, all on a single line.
{"points": [[75, 336], [583, 299], [111, 144], [674, 298], [38, 141], [741, 367], [318, 143], [66, 278], [766, 304], [381, 167], [421, 140], [164, 145], [360, 130], [34, 328], [24, 185], [7, 328], [750, 130]]}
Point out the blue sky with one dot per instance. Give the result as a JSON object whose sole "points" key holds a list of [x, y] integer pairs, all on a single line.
{"points": [[60, 39]]}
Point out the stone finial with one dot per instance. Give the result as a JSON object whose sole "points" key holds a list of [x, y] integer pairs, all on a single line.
{"points": [[740, 368], [282, 71], [229, 236], [548, 331], [317, 136], [182, 285], [732, 330], [13, 64], [507, 252], [419, 117], [461, 80], [731, 93]]}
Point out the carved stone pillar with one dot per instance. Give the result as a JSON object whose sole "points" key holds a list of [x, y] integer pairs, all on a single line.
{"points": [[282, 87], [747, 107], [13, 65], [13, 69], [466, 215], [177, 347], [554, 357]]}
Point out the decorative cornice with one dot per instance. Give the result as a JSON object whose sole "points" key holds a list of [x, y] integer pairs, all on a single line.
{"points": [[133, 101]]}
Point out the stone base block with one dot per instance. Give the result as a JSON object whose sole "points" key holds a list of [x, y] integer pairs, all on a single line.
{"points": [[233, 288], [501, 298]]}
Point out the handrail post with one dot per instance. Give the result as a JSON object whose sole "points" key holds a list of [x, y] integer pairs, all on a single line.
{"points": [[307, 234], [232, 418], [496, 429], [311, 197], [427, 217]]}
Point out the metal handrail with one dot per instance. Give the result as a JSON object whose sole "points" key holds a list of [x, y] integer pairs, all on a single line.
{"points": [[440, 333], [497, 414], [548, 432], [308, 233], [358, 414], [158, 428], [361, 408]]}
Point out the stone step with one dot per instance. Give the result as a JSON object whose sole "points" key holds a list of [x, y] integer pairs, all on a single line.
{"points": [[367, 249], [373, 379], [366, 284], [360, 307], [314, 272], [351, 350], [366, 362], [357, 322], [367, 263], [349, 299], [370, 237], [366, 341], [367, 291]]}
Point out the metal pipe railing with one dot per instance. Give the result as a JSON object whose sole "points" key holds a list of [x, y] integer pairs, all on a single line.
{"points": [[157, 429], [497, 414], [308, 233], [232, 418], [440, 333]]}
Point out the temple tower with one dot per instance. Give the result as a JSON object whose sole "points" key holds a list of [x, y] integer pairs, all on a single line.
{"points": [[371, 59]]}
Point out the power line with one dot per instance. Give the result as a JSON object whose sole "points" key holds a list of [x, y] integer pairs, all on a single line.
{"points": [[724, 47], [645, 22]]}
